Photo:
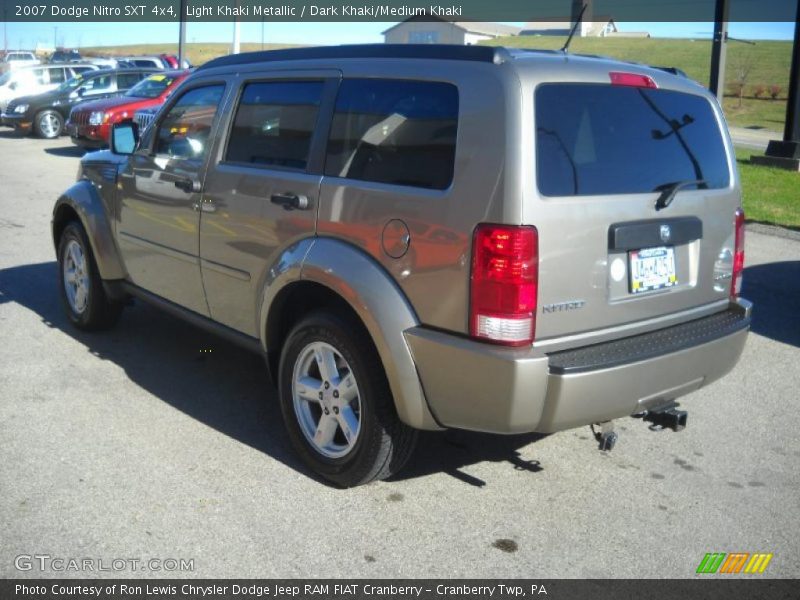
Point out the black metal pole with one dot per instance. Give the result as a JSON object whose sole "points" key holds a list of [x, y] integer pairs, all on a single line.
{"points": [[182, 34], [785, 153], [791, 132], [719, 44]]}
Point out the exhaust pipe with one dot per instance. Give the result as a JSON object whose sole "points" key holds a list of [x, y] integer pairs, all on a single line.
{"points": [[667, 417]]}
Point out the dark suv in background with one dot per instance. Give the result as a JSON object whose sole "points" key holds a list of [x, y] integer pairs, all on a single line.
{"points": [[62, 56], [46, 113]]}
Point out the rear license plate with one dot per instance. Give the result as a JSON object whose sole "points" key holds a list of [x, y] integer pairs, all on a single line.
{"points": [[652, 269]]}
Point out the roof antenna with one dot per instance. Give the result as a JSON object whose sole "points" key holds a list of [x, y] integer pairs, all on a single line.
{"points": [[578, 21]]}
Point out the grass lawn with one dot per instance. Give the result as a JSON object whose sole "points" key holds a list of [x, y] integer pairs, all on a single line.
{"points": [[770, 195]]}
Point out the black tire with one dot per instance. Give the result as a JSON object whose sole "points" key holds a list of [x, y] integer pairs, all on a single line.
{"points": [[97, 311], [383, 444], [48, 124]]}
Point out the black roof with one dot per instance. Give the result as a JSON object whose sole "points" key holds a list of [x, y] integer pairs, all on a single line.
{"points": [[430, 51]]}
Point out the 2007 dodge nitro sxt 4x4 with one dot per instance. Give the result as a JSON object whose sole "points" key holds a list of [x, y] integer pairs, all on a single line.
{"points": [[424, 237]]}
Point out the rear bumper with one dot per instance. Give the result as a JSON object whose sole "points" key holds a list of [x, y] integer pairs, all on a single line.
{"points": [[477, 386]]}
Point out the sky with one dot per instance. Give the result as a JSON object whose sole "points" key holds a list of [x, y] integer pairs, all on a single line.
{"points": [[27, 35]]}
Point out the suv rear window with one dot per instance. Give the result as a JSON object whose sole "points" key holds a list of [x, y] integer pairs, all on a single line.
{"points": [[600, 139], [394, 131]]}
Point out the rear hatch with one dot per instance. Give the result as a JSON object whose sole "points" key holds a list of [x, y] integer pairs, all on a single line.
{"points": [[635, 200]]}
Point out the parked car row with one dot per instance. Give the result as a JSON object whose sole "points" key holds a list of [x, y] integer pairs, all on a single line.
{"points": [[19, 59], [87, 104]]}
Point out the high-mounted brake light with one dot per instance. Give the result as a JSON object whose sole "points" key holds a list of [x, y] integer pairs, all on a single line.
{"points": [[632, 80], [738, 254], [503, 286]]}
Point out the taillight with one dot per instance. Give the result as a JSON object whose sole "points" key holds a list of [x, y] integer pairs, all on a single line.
{"points": [[738, 254], [632, 80], [503, 289]]}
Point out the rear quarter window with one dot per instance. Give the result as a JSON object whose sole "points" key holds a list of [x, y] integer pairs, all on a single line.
{"points": [[394, 131], [594, 139]]}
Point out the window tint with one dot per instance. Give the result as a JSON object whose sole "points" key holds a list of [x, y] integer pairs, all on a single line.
{"points": [[184, 131], [393, 131], [126, 81], [97, 84], [152, 87], [603, 139], [57, 75], [274, 123]]}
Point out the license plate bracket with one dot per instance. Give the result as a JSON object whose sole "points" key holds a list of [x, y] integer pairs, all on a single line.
{"points": [[651, 269]]}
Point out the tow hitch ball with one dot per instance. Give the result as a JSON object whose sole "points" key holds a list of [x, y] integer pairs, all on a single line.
{"points": [[666, 417]]}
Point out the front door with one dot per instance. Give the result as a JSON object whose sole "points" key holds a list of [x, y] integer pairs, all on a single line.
{"points": [[262, 192], [160, 195]]}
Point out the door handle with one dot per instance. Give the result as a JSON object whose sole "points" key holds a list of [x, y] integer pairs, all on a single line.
{"points": [[189, 185], [290, 201]]}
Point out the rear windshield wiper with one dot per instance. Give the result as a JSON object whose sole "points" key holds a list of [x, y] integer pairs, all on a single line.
{"points": [[669, 190]]}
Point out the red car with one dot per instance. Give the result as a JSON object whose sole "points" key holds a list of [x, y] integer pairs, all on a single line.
{"points": [[89, 123]]}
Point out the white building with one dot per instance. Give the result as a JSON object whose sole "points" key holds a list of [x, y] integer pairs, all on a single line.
{"points": [[591, 25]]}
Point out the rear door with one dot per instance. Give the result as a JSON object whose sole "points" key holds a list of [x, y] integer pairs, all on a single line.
{"points": [[262, 191], [610, 253]]}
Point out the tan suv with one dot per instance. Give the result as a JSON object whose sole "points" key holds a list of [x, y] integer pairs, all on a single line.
{"points": [[427, 237]]}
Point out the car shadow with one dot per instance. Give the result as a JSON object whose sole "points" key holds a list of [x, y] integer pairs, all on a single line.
{"points": [[228, 388], [774, 290], [9, 133], [66, 151]]}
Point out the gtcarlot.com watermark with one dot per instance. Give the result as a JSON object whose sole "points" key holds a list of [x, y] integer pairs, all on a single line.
{"points": [[64, 564]]}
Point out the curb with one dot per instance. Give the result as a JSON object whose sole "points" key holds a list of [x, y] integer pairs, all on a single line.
{"points": [[773, 230]]}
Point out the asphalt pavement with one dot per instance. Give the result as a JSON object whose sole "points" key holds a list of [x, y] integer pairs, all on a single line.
{"points": [[159, 441]]}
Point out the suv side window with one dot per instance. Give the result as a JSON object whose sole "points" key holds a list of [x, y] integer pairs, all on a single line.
{"points": [[38, 75], [274, 123], [126, 81], [98, 84], [394, 131], [57, 75], [185, 130]]}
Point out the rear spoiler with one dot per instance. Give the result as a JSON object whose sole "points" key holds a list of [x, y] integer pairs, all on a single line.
{"points": [[671, 70]]}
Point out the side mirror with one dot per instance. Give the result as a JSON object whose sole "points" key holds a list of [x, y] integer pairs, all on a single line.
{"points": [[13, 85], [124, 137], [81, 91]]}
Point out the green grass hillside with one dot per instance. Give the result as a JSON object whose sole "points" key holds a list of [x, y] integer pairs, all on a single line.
{"points": [[768, 64]]}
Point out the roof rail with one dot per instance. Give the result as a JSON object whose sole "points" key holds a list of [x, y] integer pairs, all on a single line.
{"points": [[424, 51]]}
